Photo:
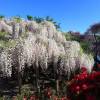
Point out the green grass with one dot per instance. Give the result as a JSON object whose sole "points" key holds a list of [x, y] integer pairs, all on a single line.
{"points": [[2, 34], [86, 47], [6, 44]]}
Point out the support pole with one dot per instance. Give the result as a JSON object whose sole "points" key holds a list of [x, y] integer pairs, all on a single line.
{"points": [[95, 51], [19, 79]]}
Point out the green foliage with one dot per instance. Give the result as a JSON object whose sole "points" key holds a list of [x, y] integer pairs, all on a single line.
{"points": [[6, 44], [85, 46], [38, 19], [48, 18], [29, 17], [17, 19], [2, 34], [68, 36], [72, 37], [6, 97], [98, 38], [25, 91], [1, 17], [57, 25], [75, 38], [1, 98], [81, 51], [95, 28]]}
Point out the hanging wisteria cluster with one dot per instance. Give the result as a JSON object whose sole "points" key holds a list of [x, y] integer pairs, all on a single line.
{"points": [[42, 44]]}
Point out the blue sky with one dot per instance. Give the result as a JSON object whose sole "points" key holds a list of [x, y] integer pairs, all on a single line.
{"points": [[76, 15]]}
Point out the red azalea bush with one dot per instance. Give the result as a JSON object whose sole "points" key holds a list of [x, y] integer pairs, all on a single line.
{"points": [[85, 85]]}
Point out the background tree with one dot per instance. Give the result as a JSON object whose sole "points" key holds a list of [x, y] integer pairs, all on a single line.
{"points": [[48, 18], [1, 16], [17, 19], [95, 30], [57, 25], [75, 36], [29, 17], [38, 19]]}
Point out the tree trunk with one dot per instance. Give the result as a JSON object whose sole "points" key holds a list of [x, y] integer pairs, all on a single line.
{"points": [[37, 78], [57, 86], [95, 52], [19, 80]]}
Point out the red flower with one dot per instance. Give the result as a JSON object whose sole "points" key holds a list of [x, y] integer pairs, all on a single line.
{"points": [[33, 97], [14, 98], [25, 98], [84, 87], [97, 74], [91, 86], [49, 94], [81, 76], [55, 98], [92, 76], [98, 65], [83, 69], [90, 97], [73, 87], [64, 98], [77, 88], [77, 77]]}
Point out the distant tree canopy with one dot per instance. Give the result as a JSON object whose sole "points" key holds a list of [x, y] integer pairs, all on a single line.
{"points": [[95, 31], [1, 16], [57, 25], [17, 18], [40, 19], [48, 18], [29, 17], [74, 36], [95, 28]]}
